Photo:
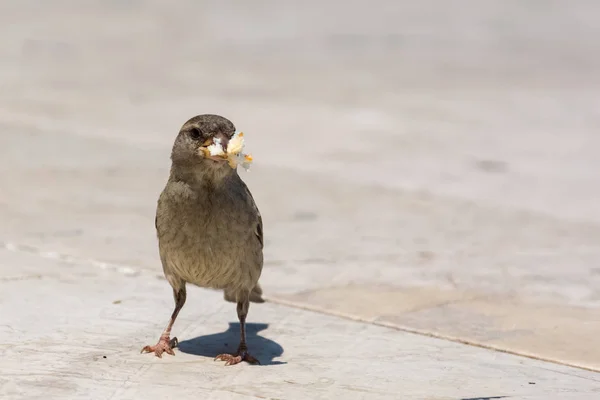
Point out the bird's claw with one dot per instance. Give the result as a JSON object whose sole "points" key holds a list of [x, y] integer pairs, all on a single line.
{"points": [[164, 345], [231, 359]]}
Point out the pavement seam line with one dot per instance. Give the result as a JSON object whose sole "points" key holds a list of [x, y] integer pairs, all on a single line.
{"points": [[130, 271], [422, 332], [52, 255]]}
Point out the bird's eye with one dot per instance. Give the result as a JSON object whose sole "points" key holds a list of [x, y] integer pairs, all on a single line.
{"points": [[195, 133]]}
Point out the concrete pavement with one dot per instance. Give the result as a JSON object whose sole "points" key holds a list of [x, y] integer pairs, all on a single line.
{"points": [[74, 330], [480, 225]]}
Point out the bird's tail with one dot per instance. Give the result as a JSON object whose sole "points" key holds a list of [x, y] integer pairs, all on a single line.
{"points": [[255, 295]]}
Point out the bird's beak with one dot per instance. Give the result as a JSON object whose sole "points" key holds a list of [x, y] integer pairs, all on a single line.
{"points": [[224, 141]]}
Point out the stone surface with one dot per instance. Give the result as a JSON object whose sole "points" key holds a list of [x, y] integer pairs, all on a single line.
{"points": [[72, 330], [429, 167]]}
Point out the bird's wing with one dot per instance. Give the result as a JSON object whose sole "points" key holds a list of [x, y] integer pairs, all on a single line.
{"points": [[259, 230], [259, 224]]}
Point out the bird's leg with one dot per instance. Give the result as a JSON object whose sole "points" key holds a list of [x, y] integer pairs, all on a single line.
{"points": [[165, 344], [242, 351]]}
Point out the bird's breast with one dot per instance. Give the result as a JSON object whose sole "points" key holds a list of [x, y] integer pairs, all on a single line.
{"points": [[209, 244]]}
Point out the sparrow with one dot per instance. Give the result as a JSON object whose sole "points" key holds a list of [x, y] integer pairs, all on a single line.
{"points": [[209, 229]]}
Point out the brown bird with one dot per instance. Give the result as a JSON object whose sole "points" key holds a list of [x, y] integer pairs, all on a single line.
{"points": [[209, 229]]}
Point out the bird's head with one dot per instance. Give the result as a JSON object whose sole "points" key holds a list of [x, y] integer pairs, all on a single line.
{"points": [[199, 132]]}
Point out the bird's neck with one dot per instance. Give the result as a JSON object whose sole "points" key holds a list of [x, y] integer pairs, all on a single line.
{"points": [[201, 175]]}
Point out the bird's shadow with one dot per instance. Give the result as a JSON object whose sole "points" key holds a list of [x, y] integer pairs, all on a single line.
{"points": [[265, 350]]}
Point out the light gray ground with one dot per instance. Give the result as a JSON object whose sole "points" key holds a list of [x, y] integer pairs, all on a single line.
{"points": [[430, 166]]}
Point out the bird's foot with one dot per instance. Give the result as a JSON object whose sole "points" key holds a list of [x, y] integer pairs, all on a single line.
{"points": [[241, 355], [164, 345]]}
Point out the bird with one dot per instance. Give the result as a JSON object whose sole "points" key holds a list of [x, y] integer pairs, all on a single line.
{"points": [[209, 229]]}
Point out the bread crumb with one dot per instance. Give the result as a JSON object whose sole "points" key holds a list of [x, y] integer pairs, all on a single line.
{"points": [[233, 154]]}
